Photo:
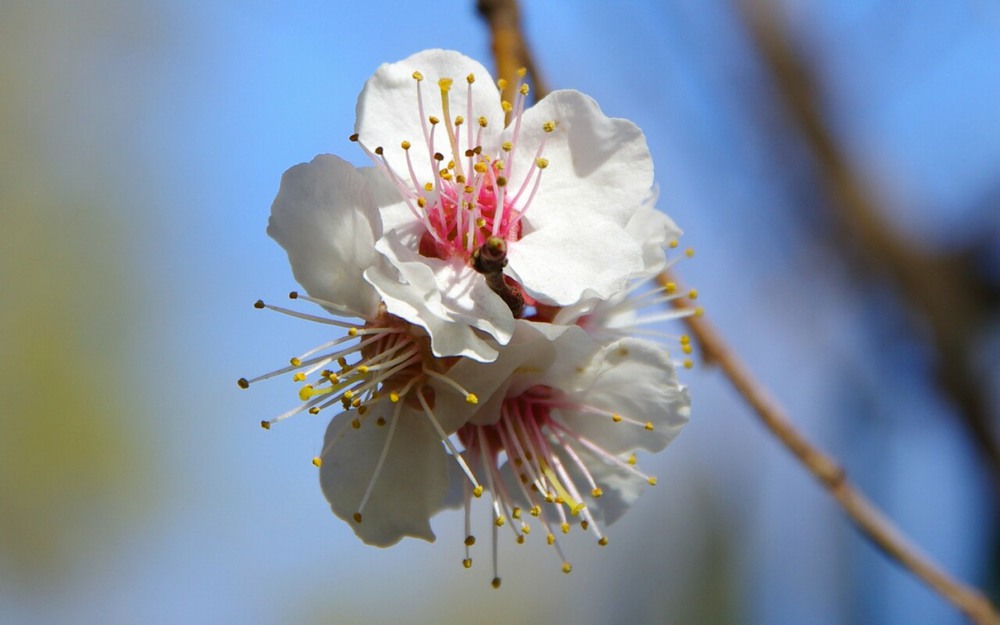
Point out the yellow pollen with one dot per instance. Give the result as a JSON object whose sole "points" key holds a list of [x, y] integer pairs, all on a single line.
{"points": [[480, 222], [564, 527], [433, 120], [632, 459], [363, 369], [295, 362], [502, 83], [405, 145], [689, 252], [506, 106], [356, 424], [617, 418], [525, 528], [603, 541], [357, 404], [445, 84], [266, 425], [584, 525], [299, 377], [314, 410], [467, 188], [536, 510], [550, 539], [670, 287], [459, 120], [524, 89], [597, 492], [649, 426], [471, 398], [482, 122], [652, 480], [687, 349], [693, 294], [471, 78], [549, 126], [421, 202], [428, 186], [673, 243], [685, 339], [317, 461], [515, 513], [467, 563], [477, 491], [348, 394], [393, 397], [418, 76], [507, 146], [357, 517], [566, 567], [500, 520], [499, 165], [688, 363], [699, 311], [470, 540], [542, 163], [520, 539]]}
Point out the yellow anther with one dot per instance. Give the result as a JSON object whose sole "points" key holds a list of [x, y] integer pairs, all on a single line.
{"points": [[480, 222], [632, 459], [649, 426], [693, 294], [522, 72], [584, 525], [559, 500], [306, 392], [515, 513], [459, 120], [501, 181], [603, 541], [295, 362], [393, 396], [670, 288], [467, 563], [471, 78], [502, 83], [550, 539], [470, 540], [357, 404], [507, 146], [428, 186], [467, 188], [542, 162], [673, 243], [348, 394], [687, 349], [699, 311], [445, 84], [597, 492], [500, 520], [314, 410], [564, 527], [617, 418], [524, 89], [689, 252], [688, 363], [405, 145], [482, 122], [477, 491], [685, 339], [421, 202], [471, 398], [266, 425], [496, 582], [433, 120], [567, 567], [499, 165], [445, 174], [299, 377], [479, 168], [317, 461], [536, 510], [520, 539], [418, 76], [506, 106], [652, 480], [363, 369], [549, 126], [356, 424], [526, 528], [357, 517]]}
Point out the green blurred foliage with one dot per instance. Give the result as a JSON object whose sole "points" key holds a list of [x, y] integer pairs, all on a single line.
{"points": [[73, 474]]}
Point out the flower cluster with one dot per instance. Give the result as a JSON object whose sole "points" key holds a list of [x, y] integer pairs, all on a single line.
{"points": [[486, 279]]}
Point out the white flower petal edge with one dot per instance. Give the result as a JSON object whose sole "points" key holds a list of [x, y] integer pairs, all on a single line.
{"points": [[326, 218], [412, 480]]}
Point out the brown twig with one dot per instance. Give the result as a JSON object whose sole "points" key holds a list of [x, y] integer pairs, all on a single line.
{"points": [[511, 53], [867, 518]]}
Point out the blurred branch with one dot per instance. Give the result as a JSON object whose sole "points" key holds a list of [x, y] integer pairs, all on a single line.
{"points": [[942, 289], [510, 50], [867, 518], [511, 53]]}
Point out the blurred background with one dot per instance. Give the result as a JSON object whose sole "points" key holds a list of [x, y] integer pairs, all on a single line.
{"points": [[836, 165]]}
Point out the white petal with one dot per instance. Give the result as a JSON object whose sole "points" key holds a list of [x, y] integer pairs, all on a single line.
{"points": [[653, 230], [326, 218], [567, 263], [596, 165], [387, 111], [635, 379], [445, 297], [410, 487]]}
